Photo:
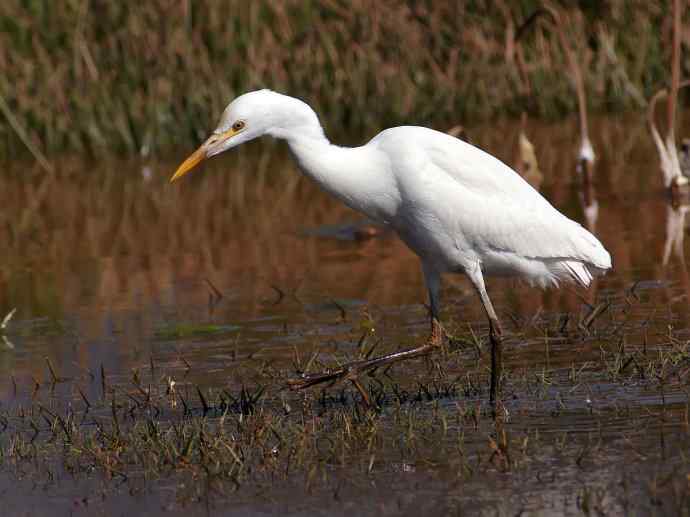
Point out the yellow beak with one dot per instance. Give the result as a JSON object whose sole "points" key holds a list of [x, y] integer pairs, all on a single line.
{"points": [[194, 159], [199, 155]]}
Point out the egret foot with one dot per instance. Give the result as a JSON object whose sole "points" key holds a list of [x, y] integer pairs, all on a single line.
{"points": [[496, 338], [352, 371]]}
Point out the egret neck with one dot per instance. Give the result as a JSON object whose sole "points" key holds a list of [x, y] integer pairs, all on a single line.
{"points": [[358, 176]]}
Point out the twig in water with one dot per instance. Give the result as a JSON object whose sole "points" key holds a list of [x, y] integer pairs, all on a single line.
{"points": [[53, 375]]}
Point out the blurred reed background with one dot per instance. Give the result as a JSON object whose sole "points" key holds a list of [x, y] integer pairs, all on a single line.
{"points": [[95, 76]]}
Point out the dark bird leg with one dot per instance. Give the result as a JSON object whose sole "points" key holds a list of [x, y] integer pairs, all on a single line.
{"points": [[495, 332], [352, 371]]}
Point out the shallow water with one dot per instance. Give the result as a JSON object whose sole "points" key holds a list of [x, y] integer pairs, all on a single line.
{"points": [[246, 263]]}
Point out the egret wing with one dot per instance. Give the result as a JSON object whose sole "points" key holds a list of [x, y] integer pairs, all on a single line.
{"points": [[495, 207], [510, 215]]}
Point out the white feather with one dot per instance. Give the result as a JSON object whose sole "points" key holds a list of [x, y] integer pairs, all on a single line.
{"points": [[461, 205]]}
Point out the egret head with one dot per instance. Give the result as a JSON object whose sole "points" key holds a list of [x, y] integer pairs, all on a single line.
{"points": [[250, 116]]}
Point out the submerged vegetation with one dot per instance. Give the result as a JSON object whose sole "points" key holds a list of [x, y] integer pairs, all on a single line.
{"points": [[156, 427], [90, 76]]}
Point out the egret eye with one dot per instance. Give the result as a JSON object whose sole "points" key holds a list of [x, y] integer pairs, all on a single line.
{"points": [[237, 126]]}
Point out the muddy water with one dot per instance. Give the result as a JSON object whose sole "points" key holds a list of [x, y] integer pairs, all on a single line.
{"points": [[111, 268]]}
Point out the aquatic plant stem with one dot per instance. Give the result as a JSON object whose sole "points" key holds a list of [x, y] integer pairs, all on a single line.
{"points": [[40, 158], [675, 72]]}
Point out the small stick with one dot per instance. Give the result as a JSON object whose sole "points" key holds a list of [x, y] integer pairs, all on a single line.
{"points": [[7, 319], [37, 154], [675, 72], [56, 379], [103, 382], [215, 290]]}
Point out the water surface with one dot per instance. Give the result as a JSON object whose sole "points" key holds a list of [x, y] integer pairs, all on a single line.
{"points": [[245, 265]]}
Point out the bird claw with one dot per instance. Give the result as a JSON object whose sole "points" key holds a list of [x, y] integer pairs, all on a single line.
{"points": [[352, 371], [348, 372]]}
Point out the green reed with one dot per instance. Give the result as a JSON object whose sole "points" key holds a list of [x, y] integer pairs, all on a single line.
{"points": [[88, 76]]}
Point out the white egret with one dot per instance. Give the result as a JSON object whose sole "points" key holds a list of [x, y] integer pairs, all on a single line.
{"points": [[457, 207]]}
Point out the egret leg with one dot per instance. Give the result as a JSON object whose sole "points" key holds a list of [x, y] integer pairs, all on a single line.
{"points": [[432, 278], [351, 371], [495, 331]]}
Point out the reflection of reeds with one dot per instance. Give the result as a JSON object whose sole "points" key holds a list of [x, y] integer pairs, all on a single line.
{"points": [[149, 75]]}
